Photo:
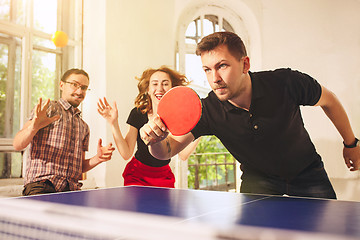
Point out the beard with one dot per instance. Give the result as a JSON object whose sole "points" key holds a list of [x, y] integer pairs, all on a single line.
{"points": [[221, 91], [75, 103]]}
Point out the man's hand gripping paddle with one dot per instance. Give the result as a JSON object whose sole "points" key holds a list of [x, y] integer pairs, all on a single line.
{"points": [[180, 110]]}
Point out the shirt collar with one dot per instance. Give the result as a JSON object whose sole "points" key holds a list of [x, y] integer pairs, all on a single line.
{"points": [[257, 92], [226, 104], [67, 106]]}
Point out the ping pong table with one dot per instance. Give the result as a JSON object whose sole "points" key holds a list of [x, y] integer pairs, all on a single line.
{"points": [[136, 212]]}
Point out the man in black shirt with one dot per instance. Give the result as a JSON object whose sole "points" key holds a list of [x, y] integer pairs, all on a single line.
{"points": [[257, 117]]}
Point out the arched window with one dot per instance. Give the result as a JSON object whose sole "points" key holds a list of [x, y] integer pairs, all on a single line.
{"points": [[210, 25], [201, 22], [196, 22], [201, 26]]}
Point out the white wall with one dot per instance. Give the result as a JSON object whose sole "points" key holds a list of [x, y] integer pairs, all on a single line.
{"points": [[321, 38], [121, 39]]}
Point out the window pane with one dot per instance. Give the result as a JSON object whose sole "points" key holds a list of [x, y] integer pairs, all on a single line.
{"points": [[227, 27], [191, 33], [5, 10], [5, 164], [10, 165], [12, 11], [20, 11], [191, 30], [194, 70], [208, 27], [16, 164], [4, 53], [45, 15], [211, 24], [44, 43], [17, 92], [10, 59], [43, 76]]}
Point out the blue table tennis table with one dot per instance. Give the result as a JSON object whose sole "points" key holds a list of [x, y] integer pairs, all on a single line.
{"points": [[158, 213]]}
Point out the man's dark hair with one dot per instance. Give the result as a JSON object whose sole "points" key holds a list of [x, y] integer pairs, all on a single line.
{"points": [[234, 43], [74, 71]]}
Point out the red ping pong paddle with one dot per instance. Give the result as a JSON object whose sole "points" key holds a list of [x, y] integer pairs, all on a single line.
{"points": [[180, 110]]}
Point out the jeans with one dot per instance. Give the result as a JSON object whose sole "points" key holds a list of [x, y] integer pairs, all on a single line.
{"points": [[313, 182]]}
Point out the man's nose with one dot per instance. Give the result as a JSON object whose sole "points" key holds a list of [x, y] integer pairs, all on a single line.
{"points": [[216, 76]]}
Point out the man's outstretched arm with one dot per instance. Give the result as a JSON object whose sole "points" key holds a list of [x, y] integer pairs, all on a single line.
{"points": [[337, 114]]}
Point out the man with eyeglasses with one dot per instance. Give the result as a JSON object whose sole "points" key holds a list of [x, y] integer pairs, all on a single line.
{"points": [[58, 139]]}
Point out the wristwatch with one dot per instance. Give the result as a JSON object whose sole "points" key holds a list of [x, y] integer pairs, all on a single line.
{"points": [[355, 144]]}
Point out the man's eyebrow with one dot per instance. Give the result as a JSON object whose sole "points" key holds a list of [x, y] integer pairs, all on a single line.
{"points": [[74, 81], [222, 61], [216, 64]]}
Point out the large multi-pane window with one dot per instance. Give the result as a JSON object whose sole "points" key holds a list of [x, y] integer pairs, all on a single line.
{"points": [[31, 65]]}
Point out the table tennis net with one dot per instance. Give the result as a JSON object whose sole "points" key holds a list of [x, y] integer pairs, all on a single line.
{"points": [[28, 219], [14, 230], [21, 219]]}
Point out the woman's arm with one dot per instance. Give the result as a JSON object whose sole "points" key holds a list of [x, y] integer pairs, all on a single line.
{"points": [[125, 145]]}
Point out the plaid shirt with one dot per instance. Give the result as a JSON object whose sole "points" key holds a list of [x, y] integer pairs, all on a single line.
{"points": [[56, 150]]}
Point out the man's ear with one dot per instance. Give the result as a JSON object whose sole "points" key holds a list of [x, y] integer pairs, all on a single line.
{"points": [[246, 64], [61, 84]]}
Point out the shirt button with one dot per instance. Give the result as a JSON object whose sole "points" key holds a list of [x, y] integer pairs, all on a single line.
{"points": [[256, 127], [251, 115]]}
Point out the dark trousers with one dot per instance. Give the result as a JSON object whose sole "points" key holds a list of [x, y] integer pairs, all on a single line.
{"points": [[311, 182], [40, 187]]}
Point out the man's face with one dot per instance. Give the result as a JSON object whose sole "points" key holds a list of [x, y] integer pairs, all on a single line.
{"points": [[224, 72], [74, 89]]}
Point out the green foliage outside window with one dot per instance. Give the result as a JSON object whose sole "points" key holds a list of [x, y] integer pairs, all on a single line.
{"points": [[207, 166], [43, 76], [43, 85], [3, 77]]}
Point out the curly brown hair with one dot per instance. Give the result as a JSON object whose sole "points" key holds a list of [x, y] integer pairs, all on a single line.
{"points": [[143, 101]]}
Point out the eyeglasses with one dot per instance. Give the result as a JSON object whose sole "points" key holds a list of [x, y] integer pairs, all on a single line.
{"points": [[75, 86]]}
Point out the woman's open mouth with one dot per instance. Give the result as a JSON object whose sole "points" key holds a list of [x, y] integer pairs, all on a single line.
{"points": [[159, 96]]}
